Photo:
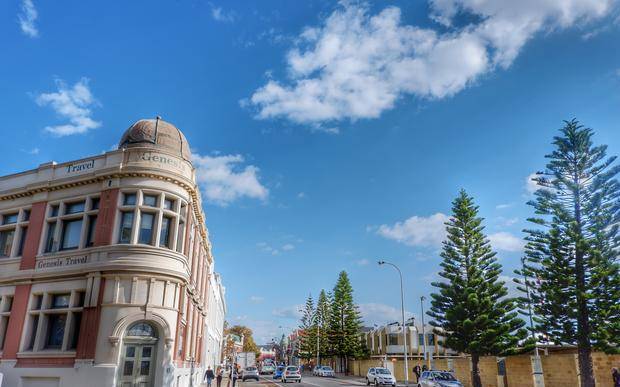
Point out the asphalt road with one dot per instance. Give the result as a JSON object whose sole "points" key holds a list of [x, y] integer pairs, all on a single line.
{"points": [[307, 381]]}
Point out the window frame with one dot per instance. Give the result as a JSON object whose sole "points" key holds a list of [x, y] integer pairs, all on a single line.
{"points": [[55, 226], [19, 228]]}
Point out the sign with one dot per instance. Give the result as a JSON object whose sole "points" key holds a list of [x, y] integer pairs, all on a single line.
{"points": [[62, 262], [80, 167], [161, 160]]}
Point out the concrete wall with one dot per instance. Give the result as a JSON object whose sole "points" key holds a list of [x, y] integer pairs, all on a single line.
{"points": [[560, 370]]}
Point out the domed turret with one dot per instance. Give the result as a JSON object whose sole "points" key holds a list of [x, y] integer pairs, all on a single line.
{"points": [[157, 134]]}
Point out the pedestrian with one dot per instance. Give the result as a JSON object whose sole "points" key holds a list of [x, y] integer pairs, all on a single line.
{"points": [[616, 375], [416, 371], [220, 375], [209, 375], [424, 368], [234, 374]]}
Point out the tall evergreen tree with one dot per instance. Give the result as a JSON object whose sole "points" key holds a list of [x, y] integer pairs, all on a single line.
{"points": [[571, 257], [345, 322], [471, 309], [323, 311], [307, 331]]}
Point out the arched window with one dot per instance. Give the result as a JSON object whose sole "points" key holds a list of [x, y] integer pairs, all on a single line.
{"points": [[142, 329]]}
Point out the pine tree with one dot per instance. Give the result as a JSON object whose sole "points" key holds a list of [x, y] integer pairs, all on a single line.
{"points": [[323, 311], [345, 322], [471, 309], [571, 257], [307, 331]]}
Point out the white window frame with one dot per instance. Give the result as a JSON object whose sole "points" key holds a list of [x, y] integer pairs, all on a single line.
{"points": [[19, 227], [62, 217]]}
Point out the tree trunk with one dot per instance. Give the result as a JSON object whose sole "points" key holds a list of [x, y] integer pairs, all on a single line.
{"points": [[475, 372]]}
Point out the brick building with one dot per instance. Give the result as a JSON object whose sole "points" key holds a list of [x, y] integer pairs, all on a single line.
{"points": [[105, 264]]}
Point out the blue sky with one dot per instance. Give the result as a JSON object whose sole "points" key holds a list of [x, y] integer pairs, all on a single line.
{"points": [[326, 135]]}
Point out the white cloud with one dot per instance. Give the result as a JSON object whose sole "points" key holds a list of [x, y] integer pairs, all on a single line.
{"points": [[503, 206], [379, 314], [301, 195], [356, 65], [417, 230], [27, 17], [257, 299], [505, 241], [73, 103], [288, 247], [223, 180], [362, 262], [267, 248], [292, 312], [530, 185], [219, 14]]}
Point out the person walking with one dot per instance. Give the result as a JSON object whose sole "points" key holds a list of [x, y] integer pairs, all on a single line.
{"points": [[234, 374], [416, 371], [220, 375], [616, 375], [209, 375]]}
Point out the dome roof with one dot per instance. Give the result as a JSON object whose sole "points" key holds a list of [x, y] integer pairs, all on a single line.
{"points": [[157, 134]]}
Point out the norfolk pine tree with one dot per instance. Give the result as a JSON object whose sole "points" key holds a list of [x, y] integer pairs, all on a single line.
{"points": [[323, 310], [571, 259], [345, 322], [471, 310], [307, 328]]}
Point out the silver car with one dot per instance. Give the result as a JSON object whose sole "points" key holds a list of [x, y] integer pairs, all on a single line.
{"points": [[438, 379], [291, 373], [250, 373], [380, 376]]}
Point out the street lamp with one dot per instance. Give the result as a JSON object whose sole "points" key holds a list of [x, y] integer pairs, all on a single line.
{"points": [[402, 310]]}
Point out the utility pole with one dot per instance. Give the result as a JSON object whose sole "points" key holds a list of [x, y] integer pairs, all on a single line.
{"points": [[424, 331]]}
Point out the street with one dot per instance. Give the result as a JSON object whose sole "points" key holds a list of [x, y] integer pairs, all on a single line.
{"points": [[307, 381]]}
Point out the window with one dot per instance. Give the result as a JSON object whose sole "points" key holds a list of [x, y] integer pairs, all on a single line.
{"points": [[129, 199], [150, 200], [392, 339], [94, 204], [421, 339], [22, 241], [430, 338], [49, 239], [145, 236], [6, 242], [54, 321], [74, 208], [54, 210], [26, 216], [6, 303], [92, 225], [168, 204], [164, 234], [9, 218], [126, 226], [142, 329], [71, 233]]}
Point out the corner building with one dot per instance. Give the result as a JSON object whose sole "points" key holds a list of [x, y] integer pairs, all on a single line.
{"points": [[105, 264]]}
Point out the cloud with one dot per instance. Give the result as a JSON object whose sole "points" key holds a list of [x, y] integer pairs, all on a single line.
{"points": [[27, 17], [530, 185], [223, 179], [219, 14], [510, 284], [301, 195], [256, 299], [503, 206], [73, 103], [417, 230], [288, 247], [506, 242], [356, 65], [362, 262], [380, 314], [267, 248], [292, 312]]}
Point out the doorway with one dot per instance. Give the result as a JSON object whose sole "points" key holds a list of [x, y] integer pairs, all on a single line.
{"points": [[137, 365]]}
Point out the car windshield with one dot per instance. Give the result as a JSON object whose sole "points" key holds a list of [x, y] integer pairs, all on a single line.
{"points": [[327, 368], [383, 371], [280, 368], [250, 369], [291, 368], [444, 376]]}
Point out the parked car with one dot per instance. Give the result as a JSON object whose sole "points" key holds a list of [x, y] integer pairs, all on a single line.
{"points": [[380, 377], [316, 370], [250, 373], [438, 379], [267, 369], [278, 373], [291, 373], [327, 371]]}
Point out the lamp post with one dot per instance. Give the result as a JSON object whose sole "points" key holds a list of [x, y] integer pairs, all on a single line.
{"points": [[423, 329], [402, 310]]}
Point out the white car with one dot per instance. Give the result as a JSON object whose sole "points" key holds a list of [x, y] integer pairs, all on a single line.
{"points": [[250, 373], [438, 379], [380, 377], [291, 373], [316, 370], [326, 371]]}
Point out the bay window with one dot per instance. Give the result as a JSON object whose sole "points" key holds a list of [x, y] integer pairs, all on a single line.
{"points": [[71, 224]]}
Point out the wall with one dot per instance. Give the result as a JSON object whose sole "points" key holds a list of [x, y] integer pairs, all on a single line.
{"points": [[560, 369]]}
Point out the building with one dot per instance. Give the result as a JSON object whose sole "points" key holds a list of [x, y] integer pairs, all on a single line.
{"points": [[386, 342], [267, 352], [105, 265], [215, 321]]}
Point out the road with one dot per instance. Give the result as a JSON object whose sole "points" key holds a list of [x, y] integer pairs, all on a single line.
{"points": [[307, 381]]}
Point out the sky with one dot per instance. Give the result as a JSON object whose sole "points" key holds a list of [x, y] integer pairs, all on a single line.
{"points": [[326, 135]]}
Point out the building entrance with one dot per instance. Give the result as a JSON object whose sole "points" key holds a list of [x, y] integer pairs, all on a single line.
{"points": [[137, 366]]}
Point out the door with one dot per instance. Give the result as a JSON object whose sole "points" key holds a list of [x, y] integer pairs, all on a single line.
{"points": [[137, 365]]}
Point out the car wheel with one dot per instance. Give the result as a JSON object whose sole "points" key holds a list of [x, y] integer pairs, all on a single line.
{"points": [[376, 383], [367, 382]]}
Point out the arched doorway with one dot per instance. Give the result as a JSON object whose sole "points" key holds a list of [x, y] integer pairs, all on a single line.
{"points": [[137, 367]]}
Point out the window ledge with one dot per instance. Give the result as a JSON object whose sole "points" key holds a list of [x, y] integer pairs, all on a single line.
{"points": [[46, 353], [9, 260]]}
